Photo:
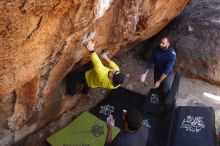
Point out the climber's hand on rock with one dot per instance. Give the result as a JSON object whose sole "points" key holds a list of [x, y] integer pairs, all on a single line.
{"points": [[90, 46]]}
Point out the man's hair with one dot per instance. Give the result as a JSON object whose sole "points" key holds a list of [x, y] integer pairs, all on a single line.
{"points": [[134, 119], [118, 78], [166, 37]]}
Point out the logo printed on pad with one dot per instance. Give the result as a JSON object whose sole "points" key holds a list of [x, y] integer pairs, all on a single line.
{"points": [[193, 124], [154, 99], [107, 110], [146, 123], [97, 130]]}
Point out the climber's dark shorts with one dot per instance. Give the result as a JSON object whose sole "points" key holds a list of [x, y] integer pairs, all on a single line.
{"points": [[76, 81]]}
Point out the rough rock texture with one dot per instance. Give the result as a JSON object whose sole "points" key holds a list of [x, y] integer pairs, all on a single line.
{"points": [[41, 41], [195, 35], [198, 48]]}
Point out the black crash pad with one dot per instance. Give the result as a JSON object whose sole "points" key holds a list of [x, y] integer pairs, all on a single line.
{"points": [[153, 103], [151, 122], [194, 126], [115, 102], [170, 100], [156, 102], [165, 127]]}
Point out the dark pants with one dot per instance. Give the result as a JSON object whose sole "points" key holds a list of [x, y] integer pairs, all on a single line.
{"points": [[165, 85], [76, 81]]}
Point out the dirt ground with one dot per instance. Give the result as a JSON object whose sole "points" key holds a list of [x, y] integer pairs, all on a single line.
{"points": [[190, 93]]}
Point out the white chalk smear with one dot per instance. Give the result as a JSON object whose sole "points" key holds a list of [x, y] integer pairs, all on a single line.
{"points": [[88, 37], [102, 6]]}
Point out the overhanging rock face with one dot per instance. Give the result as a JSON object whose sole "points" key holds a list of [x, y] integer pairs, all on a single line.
{"points": [[41, 41]]}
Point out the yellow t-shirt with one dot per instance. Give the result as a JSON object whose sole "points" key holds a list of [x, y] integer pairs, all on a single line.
{"points": [[98, 75]]}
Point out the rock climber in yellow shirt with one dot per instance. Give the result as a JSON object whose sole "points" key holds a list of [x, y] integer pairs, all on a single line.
{"points": [[99, 76]]}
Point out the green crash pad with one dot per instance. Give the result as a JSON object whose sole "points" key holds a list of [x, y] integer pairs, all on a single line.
{"points": [[85, 130]]}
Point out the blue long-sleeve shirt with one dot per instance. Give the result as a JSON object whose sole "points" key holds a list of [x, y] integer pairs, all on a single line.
{"points": [[163, 61]]}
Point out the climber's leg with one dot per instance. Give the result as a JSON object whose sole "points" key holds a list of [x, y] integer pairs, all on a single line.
{"points": [[72, 83], [76, 82]]}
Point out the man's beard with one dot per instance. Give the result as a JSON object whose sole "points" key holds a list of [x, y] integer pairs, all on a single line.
{"points": [[163, 48]]}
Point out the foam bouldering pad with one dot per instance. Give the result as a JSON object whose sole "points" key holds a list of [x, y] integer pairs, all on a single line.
{"points": [[194, 126], [115, 102], [86, 130], [170, 99], [165, 127], [153, 103], [151, 123], [156, 102]]}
